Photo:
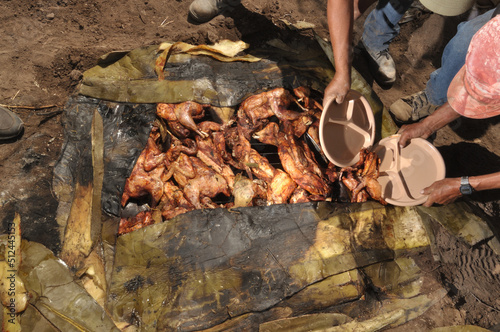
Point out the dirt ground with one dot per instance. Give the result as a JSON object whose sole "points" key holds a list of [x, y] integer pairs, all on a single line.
{"points": [[46, 45]]}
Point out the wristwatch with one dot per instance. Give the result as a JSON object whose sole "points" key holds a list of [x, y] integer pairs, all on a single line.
{"points": [[465, 187]]}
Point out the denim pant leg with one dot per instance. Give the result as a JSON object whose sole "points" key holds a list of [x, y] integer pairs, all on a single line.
{"points": [[453, 59], [381, 25]]}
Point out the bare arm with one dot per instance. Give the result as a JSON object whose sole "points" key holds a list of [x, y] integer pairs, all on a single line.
{"points": [[426, 127], [340, 16], [448, 190]]}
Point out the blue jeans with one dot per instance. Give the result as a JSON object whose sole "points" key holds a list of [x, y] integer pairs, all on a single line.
{"points": [[453, 59], [381, 26]]}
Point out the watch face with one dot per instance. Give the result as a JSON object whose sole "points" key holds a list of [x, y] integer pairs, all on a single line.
{"points": [[466, 189]]}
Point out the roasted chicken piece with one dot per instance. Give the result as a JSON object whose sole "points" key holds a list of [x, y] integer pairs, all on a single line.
{"points": [[301, 125], [368, 178], [280, 188], [153, 155], [244, 125], [186, 112], [269, 134], [186, 146], [198, 181], [182, 170]]}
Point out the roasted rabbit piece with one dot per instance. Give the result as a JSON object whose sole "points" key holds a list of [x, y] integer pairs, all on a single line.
{"points": [[167, 112], [246, 192], [211, 154], [127, 225], [303, 94], [142, 182], [173, 201], [299, 195], [266, 104], [361, 178], [294, 160], [280, 188], [252, 161], [184, 113]]}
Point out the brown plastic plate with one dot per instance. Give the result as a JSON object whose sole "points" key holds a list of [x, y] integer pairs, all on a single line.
{"points": [[345, 129], [404, 172]]}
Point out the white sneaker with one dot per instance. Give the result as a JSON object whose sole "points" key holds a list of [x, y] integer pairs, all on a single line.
{"points": [[381, 65]]}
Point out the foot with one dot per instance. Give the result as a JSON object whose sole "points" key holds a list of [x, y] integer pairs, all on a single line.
{"points": [[381, 65], [10, 124], [412, 108], [203, 11]]}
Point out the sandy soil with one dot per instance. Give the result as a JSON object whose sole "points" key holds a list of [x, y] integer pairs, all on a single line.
{"points": [[46, 45]]}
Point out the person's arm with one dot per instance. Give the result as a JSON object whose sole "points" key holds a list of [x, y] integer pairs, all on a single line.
{"points": [[429, 125], [340, 22], [448, 190]]}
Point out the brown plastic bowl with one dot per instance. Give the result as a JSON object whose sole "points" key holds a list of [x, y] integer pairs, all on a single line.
{"points": [[404, 172], [346, 128]]}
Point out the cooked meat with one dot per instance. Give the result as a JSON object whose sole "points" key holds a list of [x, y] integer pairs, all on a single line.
{"points": [[141, 183], [202, 188], [173, 202], [186, 112], [280, 188], [127, 225], [167, 112], [252, 161], [299, 195], [211, 155]]}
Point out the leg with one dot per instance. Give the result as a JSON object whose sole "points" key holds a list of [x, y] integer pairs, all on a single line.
{"points": [[453, 59], [424, 103], [380, 28], [381, 25]]}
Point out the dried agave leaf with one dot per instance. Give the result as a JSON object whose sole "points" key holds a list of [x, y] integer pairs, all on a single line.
{"points": [[222, 114], [460, 328], [84, 222], [55, 294], [224, 51], [400, 277], [312, 322]]}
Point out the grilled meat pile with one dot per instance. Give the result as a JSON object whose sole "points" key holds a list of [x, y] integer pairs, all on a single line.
{"points": [[191, 162]]}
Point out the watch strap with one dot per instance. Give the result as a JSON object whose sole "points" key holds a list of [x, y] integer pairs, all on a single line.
{"points": [[465, 187], [464, 180]]}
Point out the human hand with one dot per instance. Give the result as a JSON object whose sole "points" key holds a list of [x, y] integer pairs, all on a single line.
{"points": [[407, 132], [442, 192], [337, 89]]}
